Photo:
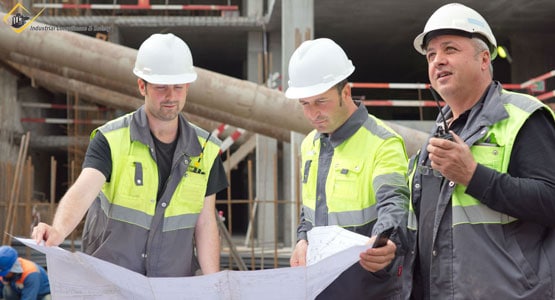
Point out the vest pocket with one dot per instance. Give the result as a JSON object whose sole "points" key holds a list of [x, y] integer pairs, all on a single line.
{"points": [[134, 188], [489, 155], [190, 193], [346, 179]]}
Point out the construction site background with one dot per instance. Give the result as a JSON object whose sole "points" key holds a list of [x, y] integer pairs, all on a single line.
{"points": [[22, 206], [34, 179]]}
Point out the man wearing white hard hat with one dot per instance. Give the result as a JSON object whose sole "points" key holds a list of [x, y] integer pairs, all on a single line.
{"points": [[482, 187], [353, 172], [149, 178]]}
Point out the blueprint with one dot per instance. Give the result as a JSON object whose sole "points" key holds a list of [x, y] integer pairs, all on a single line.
{"points": [[325, 241], [75, 275]]}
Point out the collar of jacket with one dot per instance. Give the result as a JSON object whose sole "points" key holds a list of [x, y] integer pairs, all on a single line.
{"points": [[486, 112], [187, 140], [348, 128]]}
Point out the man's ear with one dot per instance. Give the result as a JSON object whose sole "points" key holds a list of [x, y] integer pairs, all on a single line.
{"points": [[486, 60], [142, 86], [346, 91]]}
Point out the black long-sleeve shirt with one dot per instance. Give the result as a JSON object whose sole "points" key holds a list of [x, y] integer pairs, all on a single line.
{"points": [[527, 190]]}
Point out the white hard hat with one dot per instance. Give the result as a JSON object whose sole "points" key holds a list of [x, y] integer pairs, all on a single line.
{"points": [[457, 17], [165, 59], [315, 67]]}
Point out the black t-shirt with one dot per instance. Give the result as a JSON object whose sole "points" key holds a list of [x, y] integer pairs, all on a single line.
{"points": [[98, 157], [164, 156]]}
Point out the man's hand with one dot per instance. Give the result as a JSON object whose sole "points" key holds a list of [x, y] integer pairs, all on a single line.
{"points": [[375, 259], [298, 258], [48, 234], [452, 159]]}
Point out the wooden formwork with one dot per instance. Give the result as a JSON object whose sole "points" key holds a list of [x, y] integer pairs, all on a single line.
{"points": [[26, 210]]}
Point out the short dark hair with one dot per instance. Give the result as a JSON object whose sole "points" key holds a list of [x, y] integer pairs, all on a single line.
{"points": [[340, 85]]}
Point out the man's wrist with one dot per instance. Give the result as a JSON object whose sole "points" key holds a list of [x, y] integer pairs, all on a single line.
{"points": [[301, 235], [302, 241]]}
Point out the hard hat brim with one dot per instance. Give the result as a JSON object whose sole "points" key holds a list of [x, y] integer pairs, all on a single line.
{"points": [[317, 89], [16, 268], [418, 43], [421, 39], [305, 92], [167, 79]]}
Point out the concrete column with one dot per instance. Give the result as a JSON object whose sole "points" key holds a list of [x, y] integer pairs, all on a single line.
{"points": [[266, 148], [10, 125], [255, 55], [297, 26], [292, 154], [266, 154]]}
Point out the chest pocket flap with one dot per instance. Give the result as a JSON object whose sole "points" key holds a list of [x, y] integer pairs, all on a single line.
{"points": [[347, 181]]}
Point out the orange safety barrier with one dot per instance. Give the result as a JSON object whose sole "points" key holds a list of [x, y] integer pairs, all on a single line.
{"points": [[527, 85], [141, 5]]}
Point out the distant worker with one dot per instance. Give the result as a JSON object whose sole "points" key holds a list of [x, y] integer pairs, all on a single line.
{"points": [[21, 278], [483, 186], [149, 178], [353, 172]]}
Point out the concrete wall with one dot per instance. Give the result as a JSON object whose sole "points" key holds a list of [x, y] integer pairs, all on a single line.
{"points": [[10, 126]]}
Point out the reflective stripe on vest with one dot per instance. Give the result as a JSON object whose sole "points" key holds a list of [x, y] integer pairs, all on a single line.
{"points": [[124, 214], [139, 218], [348, 218], [412, 220], [479, 214]]}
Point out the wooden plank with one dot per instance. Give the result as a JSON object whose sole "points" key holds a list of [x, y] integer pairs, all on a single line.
{"points": [[6, 240]]}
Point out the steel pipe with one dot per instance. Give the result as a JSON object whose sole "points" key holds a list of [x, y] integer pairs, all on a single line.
{"points": [[195, 113], [239, 98]]}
